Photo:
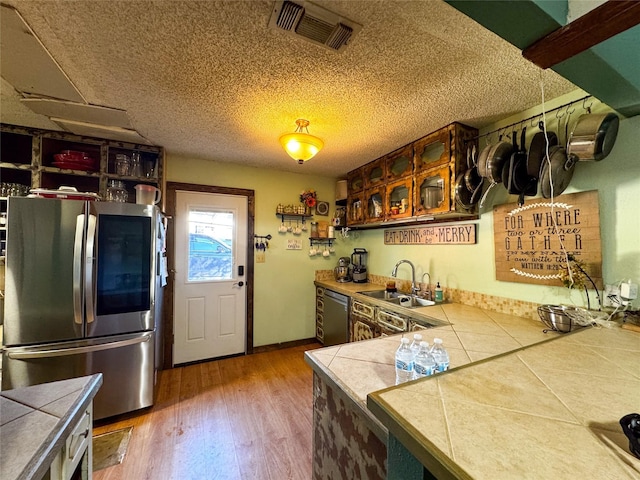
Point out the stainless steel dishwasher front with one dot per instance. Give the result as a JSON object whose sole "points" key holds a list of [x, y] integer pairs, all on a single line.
{"points": [[336, 318]]}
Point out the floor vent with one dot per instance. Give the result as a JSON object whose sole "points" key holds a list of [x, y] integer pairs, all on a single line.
{"points": [[313, 23]]}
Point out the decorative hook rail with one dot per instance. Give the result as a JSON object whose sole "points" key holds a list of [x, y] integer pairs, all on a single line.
{"points": [[560, 112], [262, 241]]}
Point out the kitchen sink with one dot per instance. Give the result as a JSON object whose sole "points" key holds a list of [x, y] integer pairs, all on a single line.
{"points": [[381, 294], [404, 300]]}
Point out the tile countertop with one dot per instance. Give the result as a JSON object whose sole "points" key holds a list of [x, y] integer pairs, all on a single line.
{"points": [[551, 410], [35, 422], [469, 334], [582, 382]]}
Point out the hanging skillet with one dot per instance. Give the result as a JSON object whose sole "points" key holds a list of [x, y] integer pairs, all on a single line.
{"points": [[538, 150], [472, 178], [482, 160], [463, 195], [496, 158], [517, 178], [557, 171]]}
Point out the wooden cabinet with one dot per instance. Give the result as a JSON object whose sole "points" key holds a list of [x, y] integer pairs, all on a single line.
{"points": [[355, 208], [432, 150], [362, 322], [355, 181], [374, 204], [432, 193], [374, 174], [28, 158], [391, 323], [423, 174], [320, 314], [76, 455], [399, 164], [399, 199]]}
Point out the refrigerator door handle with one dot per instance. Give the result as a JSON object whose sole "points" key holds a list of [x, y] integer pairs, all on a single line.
{"points": [[89, 268], [61, 352], [77, 270]]}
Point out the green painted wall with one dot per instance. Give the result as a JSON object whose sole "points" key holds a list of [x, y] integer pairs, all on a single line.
{"points": [[284, 299], [284, 294]]}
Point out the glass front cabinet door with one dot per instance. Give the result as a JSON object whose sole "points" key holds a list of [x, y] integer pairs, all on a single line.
{"points": [[355, 181], [399, 199], [355, 209], [432, 151], [399, 164], [374, 202], [432, 192], [374, 174]]}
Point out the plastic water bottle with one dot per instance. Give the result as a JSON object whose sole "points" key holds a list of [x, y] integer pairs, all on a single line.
{"points": [[415, 345], [440, 355], [404, 362], [424, 365]]}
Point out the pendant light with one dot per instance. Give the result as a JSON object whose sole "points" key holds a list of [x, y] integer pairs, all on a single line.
{"points": [[301, 146]]}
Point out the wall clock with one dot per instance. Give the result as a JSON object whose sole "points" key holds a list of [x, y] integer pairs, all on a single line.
{"points": [[322, 208]]}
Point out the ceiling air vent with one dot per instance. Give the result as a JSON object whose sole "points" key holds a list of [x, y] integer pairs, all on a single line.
{"points": [[316, 24]]}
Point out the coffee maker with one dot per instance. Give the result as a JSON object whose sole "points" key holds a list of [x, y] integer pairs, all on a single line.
{"points": [[341, 272], [359, 265]]}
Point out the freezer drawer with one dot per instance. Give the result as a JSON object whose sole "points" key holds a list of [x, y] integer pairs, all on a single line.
{"points": [[125, 361]]}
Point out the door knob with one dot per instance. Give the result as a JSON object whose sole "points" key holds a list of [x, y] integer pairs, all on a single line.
{"points": [[239, 284]]}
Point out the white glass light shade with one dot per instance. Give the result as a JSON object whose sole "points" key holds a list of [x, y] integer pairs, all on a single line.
{"points": [[301, 146]]}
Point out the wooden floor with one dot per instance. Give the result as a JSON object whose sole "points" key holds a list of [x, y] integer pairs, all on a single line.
{"points": [[246, 417]]}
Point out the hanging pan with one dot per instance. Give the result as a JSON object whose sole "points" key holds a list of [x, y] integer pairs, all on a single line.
{"points": [[463, 195], [496, 159], [593, 136], [538, 150], [472, 179], [557, 171]]}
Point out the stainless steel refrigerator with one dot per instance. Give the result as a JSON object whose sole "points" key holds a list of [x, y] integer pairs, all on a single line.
{"points": [[82, 282]]}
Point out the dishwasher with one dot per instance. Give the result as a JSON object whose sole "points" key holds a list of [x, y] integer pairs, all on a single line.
{"points": [[336, 318]]}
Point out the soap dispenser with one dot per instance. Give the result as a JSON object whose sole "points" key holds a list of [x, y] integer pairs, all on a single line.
{"points": [[438, 296]]}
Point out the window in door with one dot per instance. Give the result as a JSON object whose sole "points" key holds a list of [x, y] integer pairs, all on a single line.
{"points": [[210, 245]]}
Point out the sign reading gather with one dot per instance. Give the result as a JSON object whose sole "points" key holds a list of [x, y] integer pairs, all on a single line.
{"points": [[532, 242], [435, 235]]}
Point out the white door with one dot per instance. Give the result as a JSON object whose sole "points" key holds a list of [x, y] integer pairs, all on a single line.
{"points": [[210, 294]]}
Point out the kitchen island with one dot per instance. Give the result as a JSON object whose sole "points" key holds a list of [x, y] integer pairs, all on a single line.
{"points": [[46, 429], [517, 402], [551, 410]]}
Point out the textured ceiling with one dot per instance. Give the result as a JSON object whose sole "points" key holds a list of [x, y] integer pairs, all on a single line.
{"points": [[208, 79]]}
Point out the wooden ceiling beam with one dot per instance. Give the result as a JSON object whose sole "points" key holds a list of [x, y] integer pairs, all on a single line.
{"points": [[601, 23]]}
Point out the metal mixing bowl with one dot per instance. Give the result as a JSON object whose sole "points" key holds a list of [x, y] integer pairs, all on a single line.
{"points": [[557, 317]]}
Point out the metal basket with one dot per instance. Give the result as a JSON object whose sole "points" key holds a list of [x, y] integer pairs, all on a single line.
{"points": [[560, 318]]}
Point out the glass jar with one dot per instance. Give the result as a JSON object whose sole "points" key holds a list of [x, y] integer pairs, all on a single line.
{"points": [[136, 165], [117, 192], [123, 165], [314, 229]]}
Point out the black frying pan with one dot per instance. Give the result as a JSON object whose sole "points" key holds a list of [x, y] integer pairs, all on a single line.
{"points": [[557, 171], [538, 150]]}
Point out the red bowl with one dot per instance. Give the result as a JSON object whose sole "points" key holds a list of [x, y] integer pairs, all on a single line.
{"points": [[73, 154]]}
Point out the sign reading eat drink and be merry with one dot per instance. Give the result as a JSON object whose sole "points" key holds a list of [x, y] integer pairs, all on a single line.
{"points": [[436, 235], [532, 242]]}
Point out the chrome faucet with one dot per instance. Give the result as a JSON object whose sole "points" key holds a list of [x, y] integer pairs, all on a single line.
{"points": [[394, 273], [427, 293]]}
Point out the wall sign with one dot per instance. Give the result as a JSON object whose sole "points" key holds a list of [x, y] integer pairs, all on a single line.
{"points": [[435, 235], [294, 244], [529, 239]]}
